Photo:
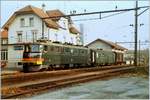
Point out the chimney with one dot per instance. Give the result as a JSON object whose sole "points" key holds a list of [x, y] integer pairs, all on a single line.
{"points": [[43, 7]]}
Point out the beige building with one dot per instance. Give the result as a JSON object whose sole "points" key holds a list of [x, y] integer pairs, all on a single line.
{"points": [[108, 45], [105, 45]]}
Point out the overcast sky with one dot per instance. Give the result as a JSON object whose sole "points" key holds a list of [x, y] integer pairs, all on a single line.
{"points": [[114, 28]]}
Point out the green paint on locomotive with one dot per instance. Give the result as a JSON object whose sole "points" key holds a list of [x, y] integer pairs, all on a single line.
{"points": [[58, 54]]}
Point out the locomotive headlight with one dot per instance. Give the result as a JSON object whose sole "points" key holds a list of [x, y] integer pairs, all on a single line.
{"points": [[39, 62]]}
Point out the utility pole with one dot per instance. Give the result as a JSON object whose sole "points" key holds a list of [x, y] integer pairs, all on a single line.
{"points": [[136, 31], [82, 34], [43, 8], [42, 29], [139, 52]]}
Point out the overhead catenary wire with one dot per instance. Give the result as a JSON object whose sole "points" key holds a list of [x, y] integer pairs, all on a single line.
{"points": [[100, 12], [134, 42], [143, 11], [101, 17]]}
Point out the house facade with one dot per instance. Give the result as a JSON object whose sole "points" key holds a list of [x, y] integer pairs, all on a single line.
{"points": [[27, 25]]}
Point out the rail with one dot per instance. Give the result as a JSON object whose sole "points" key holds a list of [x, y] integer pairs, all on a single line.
{"points": [[60, 82]]}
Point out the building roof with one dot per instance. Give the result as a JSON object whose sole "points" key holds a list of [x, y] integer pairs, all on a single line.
{"points": [[30, 9], [4, 34], [52, 23], [73, 30], [113, 45], [55, 13]]}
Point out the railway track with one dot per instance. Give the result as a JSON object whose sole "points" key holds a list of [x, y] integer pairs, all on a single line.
{"points": [[19, 78], [66, 70], [62, 80]]}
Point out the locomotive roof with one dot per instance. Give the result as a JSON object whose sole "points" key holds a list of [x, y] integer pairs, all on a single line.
{"points": [[50, 43]]}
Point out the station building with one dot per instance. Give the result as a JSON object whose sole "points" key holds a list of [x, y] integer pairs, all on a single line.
{"points": [[27, 25], [108, 45], [4, 47]]}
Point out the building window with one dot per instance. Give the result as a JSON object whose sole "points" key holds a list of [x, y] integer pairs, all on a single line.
{"points": [[31, 21], [4, 55], [4, 41], [22, 22], [18, 47], [34, 36], [19, 35]]}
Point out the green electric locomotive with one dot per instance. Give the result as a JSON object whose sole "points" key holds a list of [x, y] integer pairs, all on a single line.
{"points": [[54, 55], [51, 55]]}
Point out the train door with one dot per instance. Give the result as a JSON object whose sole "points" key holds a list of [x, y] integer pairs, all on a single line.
{"points": [[93, 57]]}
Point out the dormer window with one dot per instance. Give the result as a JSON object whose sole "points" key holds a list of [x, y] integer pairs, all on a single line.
{"points": [[22, 22], [31, 21]]}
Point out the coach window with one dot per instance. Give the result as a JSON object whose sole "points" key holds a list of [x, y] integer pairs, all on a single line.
{"points": [[82, 51], [75, 51], [67, 50], [103, 54]]}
